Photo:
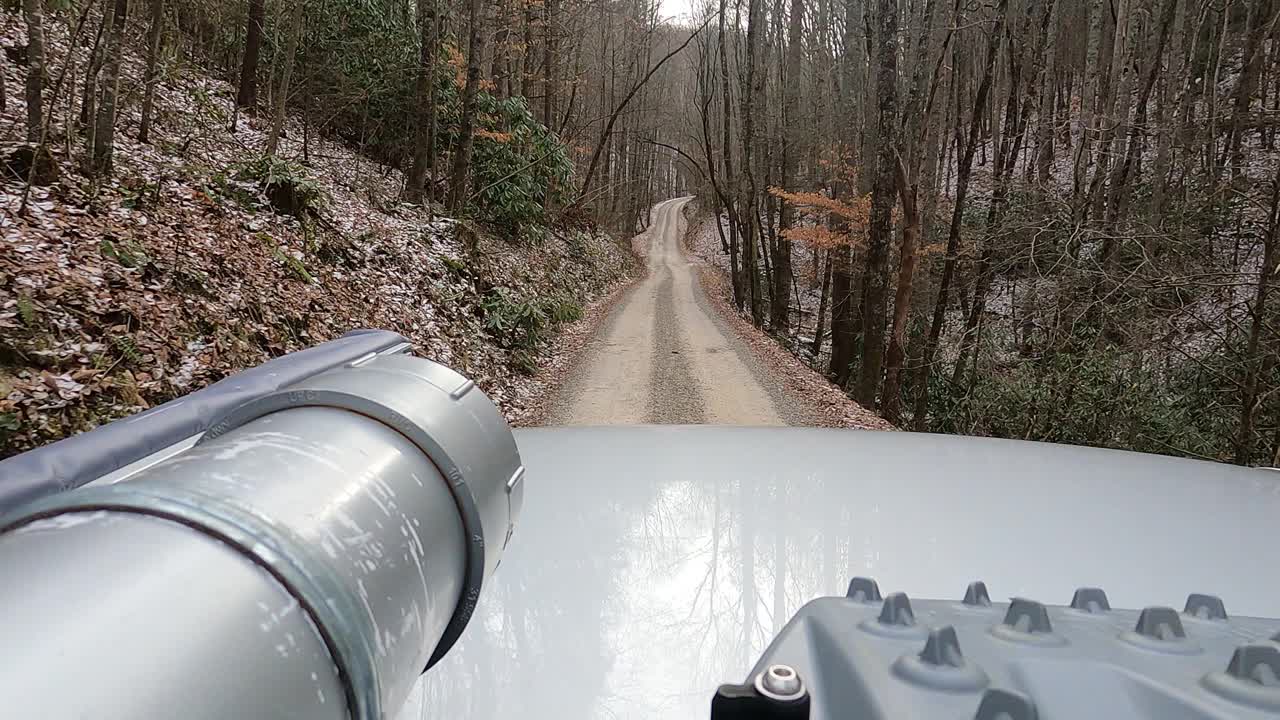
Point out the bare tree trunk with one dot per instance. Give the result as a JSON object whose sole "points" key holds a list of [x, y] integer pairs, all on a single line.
{"points": [[752, 101], [822, 307], [731, 180], [500, 60], [768, 237], [1185, 42], [526, 53], [792, 132], [247, 97], [891, 402], [1114, 108], [89, 93], [1249, 388], [433, 100], [1046, 112], [1154, 54], [466, 132], [1014, 129], [104, 135], [1260, 19], [917, 127], [33, 11], [573, 92], [1096, 105], [883, 199], [425, 92], [306, 127], [617, 111], [154, 35], [286, 77], [729, 244], [1210, 146], [844, 323], [1269, 130], [549, 64], [844, 330], [963, 174]]}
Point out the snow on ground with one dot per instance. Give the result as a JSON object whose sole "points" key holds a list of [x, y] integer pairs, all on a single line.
{"points": [[121, 294], [834, 407]]}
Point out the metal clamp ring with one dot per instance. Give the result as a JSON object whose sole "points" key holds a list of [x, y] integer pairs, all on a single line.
{"points": [[271, 547], [473, 575]]}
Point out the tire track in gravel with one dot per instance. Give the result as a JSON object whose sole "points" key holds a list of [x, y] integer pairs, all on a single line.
{"points": [[665, 356]]}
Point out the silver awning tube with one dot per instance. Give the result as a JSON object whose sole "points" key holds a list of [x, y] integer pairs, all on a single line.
{"points": [[307, 558]]}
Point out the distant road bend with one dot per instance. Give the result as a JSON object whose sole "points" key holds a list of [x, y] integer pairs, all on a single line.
{"points": [[665, 356]]}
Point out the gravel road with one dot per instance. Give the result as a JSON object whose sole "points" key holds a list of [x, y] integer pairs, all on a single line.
{"points": [[665, 356]]}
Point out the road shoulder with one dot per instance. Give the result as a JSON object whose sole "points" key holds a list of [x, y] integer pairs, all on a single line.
{"points": [[568, 351], [827, 405]]}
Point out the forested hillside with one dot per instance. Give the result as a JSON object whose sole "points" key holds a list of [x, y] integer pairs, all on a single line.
{"points": [[1042, 219], [190, 188], [1034, 219]]}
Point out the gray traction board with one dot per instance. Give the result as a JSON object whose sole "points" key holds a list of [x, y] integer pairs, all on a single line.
{"points": [[873, 656]]}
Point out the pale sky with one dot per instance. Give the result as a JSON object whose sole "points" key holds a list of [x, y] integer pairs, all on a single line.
{"points": [[676, 9]]}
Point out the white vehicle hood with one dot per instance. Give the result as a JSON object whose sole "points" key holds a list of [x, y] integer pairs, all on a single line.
{"points": [[653, 563]]}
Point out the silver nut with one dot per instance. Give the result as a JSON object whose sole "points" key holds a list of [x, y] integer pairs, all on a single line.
{"points": [[780, 682]]}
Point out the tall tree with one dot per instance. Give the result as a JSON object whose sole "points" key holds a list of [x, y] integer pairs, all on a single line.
{"points": [[155, 33], [4, 90], [1261, 18], [726, 144], [549, 81], [33, 12], [89, 94], [1113, 105], [780, 297], [104, 135], [247, 96], [752, 101], [915, 137], [1257, 364], [526, 52], [281, 97], [1152, 58], [883, 199], [425, 92], [844, 321], [964, 172], [1013, 130], [594, 163], [466, 132]]}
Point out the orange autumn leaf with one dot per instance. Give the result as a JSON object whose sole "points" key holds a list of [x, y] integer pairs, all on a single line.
{"points": [[492, 135], [850, 216], [456, 61], [819, 237], [856, 211]]}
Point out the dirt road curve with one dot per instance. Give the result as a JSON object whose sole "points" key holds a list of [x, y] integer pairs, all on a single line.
{"points": [[665, 356]]}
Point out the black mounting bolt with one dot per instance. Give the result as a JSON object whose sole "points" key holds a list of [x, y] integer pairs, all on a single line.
{"points": [[1090, 600], [1005, 705], [1208, 607], [745, 702], [1256, 663], [1028, 616], [976, 594], [943, 648], [863, 589], [1160, 623]]}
